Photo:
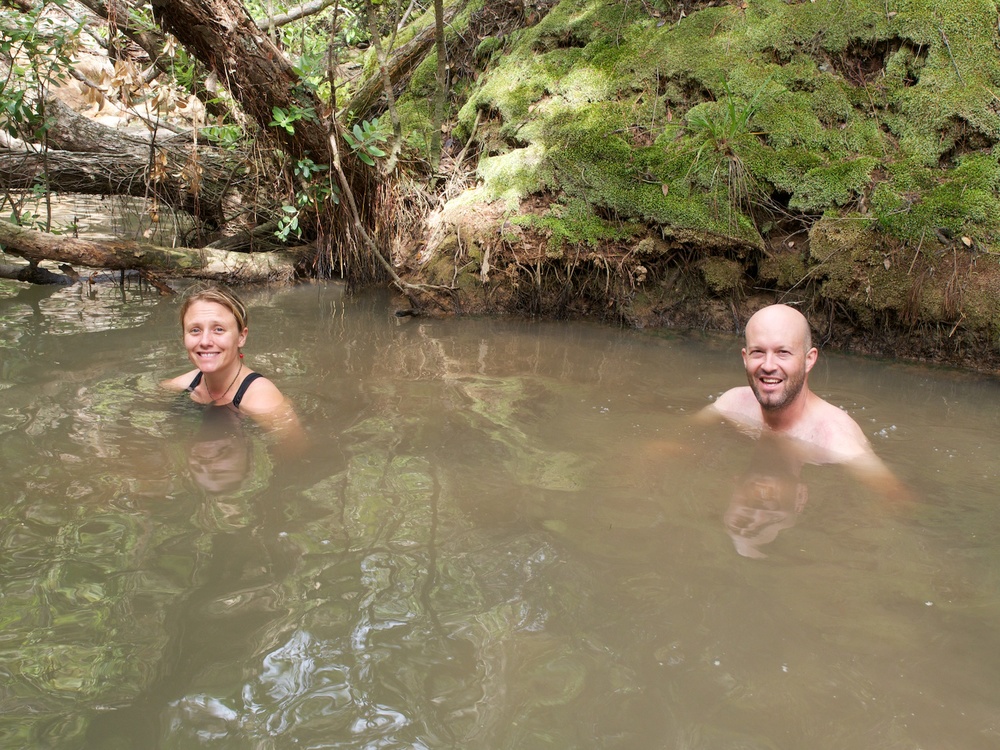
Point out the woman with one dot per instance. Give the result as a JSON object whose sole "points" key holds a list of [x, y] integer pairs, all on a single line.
{"points": [[214, 322]]}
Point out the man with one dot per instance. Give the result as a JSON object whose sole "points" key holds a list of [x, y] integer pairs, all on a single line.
{"points": [[778, 357]]}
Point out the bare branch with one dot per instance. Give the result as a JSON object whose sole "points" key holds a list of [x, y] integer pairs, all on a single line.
{"points": [[300, 11]]}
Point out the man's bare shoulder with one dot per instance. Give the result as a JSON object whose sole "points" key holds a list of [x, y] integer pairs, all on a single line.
{"points": [[737, 403], [835, 433], [737, 406]]}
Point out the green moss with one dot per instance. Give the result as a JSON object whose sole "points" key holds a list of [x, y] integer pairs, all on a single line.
{"points": [[784, 269], [574, 223], [836, 245], [835, 185], [596, 102], [963, 201], [721, 274], [513, 176]]}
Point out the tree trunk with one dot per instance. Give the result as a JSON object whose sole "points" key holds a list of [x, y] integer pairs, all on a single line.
{"points": [[441, 87], [235, 268], [222, 35]]}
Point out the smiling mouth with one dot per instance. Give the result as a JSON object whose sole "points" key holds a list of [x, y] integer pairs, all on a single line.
{"points": [[771, 381]]}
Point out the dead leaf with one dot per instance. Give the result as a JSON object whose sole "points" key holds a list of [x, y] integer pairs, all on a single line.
{"points": [[665, 188], [887, 263], [967, 241]]}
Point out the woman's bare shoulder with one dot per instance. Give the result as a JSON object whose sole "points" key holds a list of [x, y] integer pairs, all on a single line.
{"points": [[261, 397], [180, 383]]}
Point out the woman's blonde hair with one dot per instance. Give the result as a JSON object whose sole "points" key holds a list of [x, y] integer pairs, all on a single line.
{"points": [[222, 296]]}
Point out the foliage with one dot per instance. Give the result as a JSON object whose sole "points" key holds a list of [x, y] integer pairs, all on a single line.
{"points": [[37, 53], [363, 139], [286, 118], [720, 127], [313, 194]]}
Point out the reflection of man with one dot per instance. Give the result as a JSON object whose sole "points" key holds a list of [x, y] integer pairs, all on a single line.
{"points": [[767, 499], [778, 357]]}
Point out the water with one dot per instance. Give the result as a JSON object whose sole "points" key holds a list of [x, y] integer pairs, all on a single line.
{"points": [[505, 534]]}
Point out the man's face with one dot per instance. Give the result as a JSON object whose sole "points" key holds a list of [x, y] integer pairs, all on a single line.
{"points": [[776, 362]]}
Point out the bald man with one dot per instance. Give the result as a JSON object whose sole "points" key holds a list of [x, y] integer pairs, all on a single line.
{"points": [[778, 357]]}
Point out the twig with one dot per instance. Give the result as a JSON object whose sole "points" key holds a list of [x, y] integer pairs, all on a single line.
{"points": [[919, 245], [947, 45], [465, 148]]}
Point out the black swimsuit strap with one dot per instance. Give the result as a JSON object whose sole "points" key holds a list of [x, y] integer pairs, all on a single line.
{"points": [[240, 392], [243, 387]]}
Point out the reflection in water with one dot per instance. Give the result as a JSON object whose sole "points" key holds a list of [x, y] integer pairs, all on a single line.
{"points": [[768, 497], [221, 453], [472, 554]]}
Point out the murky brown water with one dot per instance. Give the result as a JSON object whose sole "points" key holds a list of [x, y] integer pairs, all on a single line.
{"points": [[505, 535]]}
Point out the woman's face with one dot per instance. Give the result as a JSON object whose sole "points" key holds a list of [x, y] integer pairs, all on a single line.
{"points": [[212, 336]]}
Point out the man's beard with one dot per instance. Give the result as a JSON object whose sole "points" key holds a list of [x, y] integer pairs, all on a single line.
{"points": [[779, 400]]}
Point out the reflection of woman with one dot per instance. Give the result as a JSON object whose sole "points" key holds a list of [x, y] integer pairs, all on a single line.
{"points": [[214, 323], [220, 457]]}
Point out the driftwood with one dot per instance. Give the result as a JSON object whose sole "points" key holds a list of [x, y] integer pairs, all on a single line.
{"points": [[120, 255]]}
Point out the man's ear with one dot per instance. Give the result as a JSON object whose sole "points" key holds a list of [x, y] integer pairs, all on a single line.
{"points": [[811, 356]]}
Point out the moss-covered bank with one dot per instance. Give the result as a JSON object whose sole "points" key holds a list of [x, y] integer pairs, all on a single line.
{"points": [[682, 162]]}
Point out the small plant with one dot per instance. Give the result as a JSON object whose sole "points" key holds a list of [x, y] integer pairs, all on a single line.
{"points": [[362, 139], [719, 130], [224, 136], [286, 118], [312, 194]]}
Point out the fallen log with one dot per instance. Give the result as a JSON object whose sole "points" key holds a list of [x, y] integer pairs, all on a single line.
{"points": [[100, 173], [34, 274], [121, 255]]}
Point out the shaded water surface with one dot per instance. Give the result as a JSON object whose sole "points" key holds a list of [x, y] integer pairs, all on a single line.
{"points": [[504, 535]]}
